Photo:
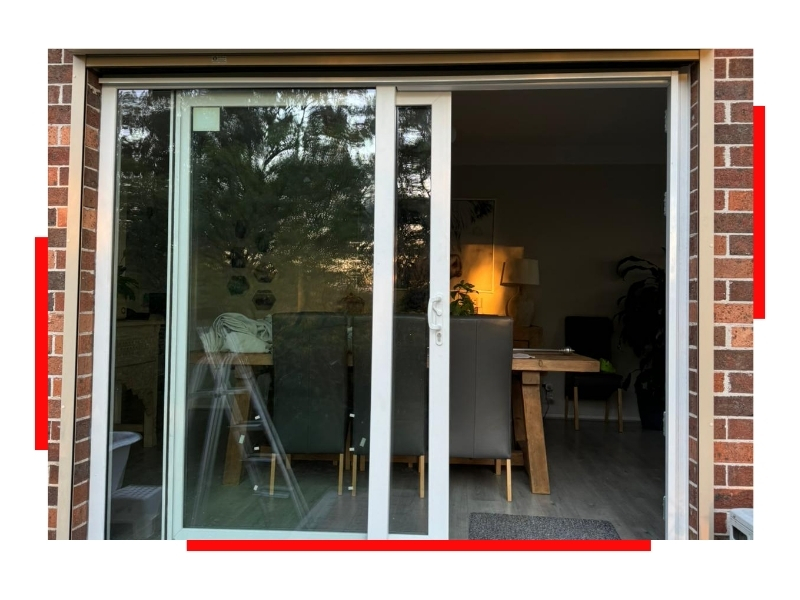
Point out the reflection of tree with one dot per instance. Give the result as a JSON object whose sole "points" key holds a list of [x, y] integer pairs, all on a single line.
{"points": [[288, 180], [144, 147], [413, 206]]}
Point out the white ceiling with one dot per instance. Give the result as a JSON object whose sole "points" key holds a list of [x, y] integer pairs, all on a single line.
{"points": [[591, 126]]}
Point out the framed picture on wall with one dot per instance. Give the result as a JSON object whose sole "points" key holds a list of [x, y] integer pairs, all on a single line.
{"points": [[472, 242]]}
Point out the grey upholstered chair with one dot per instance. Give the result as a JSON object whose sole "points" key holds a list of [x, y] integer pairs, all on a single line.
{"points": [[481, 350], [310, 390], [409, 391]]}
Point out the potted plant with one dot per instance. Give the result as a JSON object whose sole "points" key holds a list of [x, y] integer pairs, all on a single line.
{"points": [[461, 303], [642, 318]]}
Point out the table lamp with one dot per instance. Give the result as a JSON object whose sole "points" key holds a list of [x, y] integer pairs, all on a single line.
{"points": [[519, 272]]}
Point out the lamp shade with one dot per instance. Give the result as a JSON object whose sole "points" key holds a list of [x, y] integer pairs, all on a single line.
{"points": [[520, 271]]}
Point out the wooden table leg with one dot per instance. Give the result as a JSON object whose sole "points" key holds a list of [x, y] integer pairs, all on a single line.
{"points": [[232, 474], [533, 444]]}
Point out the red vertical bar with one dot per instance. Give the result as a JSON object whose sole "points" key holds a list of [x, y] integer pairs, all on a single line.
{"points": [[759, 218], [40, 344]]}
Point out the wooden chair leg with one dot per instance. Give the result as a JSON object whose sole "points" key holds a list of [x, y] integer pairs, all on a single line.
{"points": [[498, 467], [422, 476], [619, 408], [362, 463], [341, 472], [508, 479], [353, 474], [575, 407], [272, 474]]}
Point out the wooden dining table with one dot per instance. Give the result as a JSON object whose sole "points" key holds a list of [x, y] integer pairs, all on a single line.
{"points": [[526, 407]]}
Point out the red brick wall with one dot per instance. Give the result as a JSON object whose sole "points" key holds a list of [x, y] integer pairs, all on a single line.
{"points": [[733, 283], [83, 382], [694, 182], [59, 97]]}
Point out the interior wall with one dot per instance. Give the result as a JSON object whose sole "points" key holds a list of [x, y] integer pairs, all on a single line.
{"points": [[577, 221]]}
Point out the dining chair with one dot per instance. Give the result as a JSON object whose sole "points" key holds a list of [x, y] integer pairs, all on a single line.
{"points": [[481, 349], [591, 336], [310, 389], [409, 391]]}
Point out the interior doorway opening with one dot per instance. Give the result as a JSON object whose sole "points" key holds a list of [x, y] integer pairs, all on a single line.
{"points": [[574, 181]]}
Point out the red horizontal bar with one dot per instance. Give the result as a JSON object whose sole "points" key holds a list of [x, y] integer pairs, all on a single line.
{"points": [[40, 349], [414, 545], [759, 214]]}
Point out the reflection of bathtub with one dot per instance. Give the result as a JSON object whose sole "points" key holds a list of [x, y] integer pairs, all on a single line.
{"points": [[120, 447]]}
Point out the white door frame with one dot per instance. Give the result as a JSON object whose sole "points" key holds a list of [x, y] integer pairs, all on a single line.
{"points": [[677, 82]]}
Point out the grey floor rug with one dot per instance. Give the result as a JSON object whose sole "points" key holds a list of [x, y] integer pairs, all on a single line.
{"points": [[492, 526]]}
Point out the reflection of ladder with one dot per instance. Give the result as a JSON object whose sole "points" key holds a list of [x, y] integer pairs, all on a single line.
{"points": [[223, 403]]}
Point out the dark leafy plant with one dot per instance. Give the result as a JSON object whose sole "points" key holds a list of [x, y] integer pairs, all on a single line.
{"points": [[642, 317], [461, 303], [126, 285]]}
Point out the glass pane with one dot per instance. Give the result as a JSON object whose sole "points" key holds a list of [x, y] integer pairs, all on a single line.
{"points": [[137, 395], [280, 286], [408, 499]]}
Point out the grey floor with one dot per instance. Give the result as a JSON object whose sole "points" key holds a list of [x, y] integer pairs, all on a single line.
{"points": [[595, 473]]}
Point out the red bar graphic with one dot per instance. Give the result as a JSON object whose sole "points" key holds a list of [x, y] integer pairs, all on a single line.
{"points": [[414, 545], [759, 217], [40, 344]]}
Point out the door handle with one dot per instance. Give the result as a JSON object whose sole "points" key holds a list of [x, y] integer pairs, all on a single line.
{"points": [[435, 312]]}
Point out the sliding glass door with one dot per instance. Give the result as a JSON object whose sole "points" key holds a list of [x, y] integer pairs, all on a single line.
{"points": [[286, 295]]}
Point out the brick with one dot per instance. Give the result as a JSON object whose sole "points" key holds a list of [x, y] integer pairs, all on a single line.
{"points": [[58, 114], [741, 156], [741, 383], [740, 429], [733, 178], [720, 524], [90, 178], [91, 138], [693, 495], [91, 158], [54, 365], [733, 452], [742, 112], [740, 68], [58, 156], [56, 387], [67, 57], [61, 217], [52, 452], [719, 112], [89, 198], [83, 385], [733, 268], [80, 493], [692, 402], [740, 200], [51, 518], [53, 94], [733, 223], [59, 74], [87, 260], [58, 342], [93, 117], [52, 135], [82, 450], [741, 245], [55, 431], [693, 426], [741, 291], [89, 220], [740, 476], [57, 238], [66, 94], [720, 244], [63, 176], [63, 135], [81, 532], [57, 196], [55, 322], [55, 56], [742, 337], [82, 430], [719, 156], [53, 408], [733, 90], [719, 382], [720, 290], [720, 475], [733, 313], [80, 514], [720, 430], [733, 498], [740, 52], [87, 281], [719, 199], [83, 407], [85, 344], [52, 474], [733, 134], [88, 240], [86, 323], [52, 175], [733, 360], [720, 68]]}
